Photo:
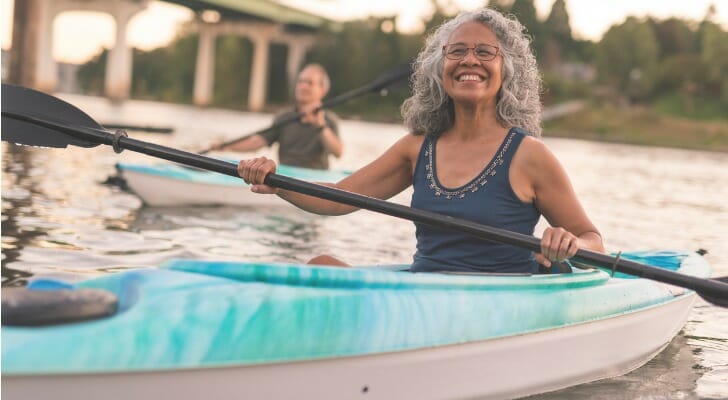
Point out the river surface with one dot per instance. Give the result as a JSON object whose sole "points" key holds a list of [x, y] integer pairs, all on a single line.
{"points": [[59, 220]]}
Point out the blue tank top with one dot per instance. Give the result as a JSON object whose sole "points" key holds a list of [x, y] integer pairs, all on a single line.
{"points": [[487, 199]]}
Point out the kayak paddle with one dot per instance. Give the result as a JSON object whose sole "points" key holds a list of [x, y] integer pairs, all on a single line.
{"points": [[383, 81], [144, 128], [34, 118]]}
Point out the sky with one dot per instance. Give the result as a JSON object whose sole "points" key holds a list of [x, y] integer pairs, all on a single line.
{"points": [[157, 25]]}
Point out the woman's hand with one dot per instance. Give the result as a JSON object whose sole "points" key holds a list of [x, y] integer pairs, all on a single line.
{"points": [[254, 171], [557, 244]]}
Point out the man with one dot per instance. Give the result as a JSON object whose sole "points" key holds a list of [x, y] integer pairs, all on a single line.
{"points": [[306, 142]]}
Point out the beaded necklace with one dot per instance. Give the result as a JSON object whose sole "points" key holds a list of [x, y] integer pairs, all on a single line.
{"points": [[476, 183]]}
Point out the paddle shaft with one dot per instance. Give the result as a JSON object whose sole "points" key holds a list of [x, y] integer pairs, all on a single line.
{"points": [[707, 287], [378, 84], [152, 129]]}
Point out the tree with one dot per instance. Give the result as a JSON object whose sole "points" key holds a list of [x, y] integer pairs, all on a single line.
{"points": [[91, 75], [525, 11], [503, 6], [166, 73], [674, 36], [559, 42], [627, 58], [232, 71], [714, 44]]}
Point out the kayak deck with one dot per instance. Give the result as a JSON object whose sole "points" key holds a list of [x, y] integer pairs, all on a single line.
{"points": [[191, 314]]}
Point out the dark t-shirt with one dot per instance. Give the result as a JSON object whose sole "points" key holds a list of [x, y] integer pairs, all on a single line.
{"points": [[300, 144]]}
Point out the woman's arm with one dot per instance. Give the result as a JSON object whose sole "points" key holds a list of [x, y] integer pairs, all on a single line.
{"points": [[549, 187], [382, 178]]}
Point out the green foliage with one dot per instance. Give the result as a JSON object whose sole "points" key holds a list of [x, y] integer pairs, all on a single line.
{"points": [[232, 71], [558, 89], [559, 43], [627, 58], [714, 43], [279, 91], [361, 52], [525, 11], [167, 73], [674, 36], [680, 72], [503, 6], [687, 105], [91, 75]]}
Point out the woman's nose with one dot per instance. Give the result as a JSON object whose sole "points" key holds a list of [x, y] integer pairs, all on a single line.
{"points": [[469, 58]]}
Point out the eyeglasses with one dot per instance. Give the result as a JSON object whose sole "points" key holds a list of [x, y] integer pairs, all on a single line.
{"points": [[458, 51]]}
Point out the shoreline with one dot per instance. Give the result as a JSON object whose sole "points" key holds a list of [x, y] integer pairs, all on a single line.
{"points": [[641, 126], [575, 119]]}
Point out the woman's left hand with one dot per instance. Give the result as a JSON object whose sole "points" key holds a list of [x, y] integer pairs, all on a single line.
{"points": [[557, 244]]}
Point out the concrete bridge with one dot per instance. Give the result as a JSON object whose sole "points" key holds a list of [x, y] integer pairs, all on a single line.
{"points": [[263, 22]]}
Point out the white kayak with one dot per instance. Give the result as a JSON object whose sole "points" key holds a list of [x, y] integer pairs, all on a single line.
{"points": [[168, 185], [227, 330]]}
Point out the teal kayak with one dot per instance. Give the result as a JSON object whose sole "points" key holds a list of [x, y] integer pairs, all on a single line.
{"points": [[190, 329], [176, 185]]}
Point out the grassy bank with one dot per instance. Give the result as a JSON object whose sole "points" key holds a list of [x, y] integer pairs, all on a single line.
{"points": [[643, 126]]}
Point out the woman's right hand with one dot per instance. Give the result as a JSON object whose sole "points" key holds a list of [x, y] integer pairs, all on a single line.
{"points": [[254, 171]]}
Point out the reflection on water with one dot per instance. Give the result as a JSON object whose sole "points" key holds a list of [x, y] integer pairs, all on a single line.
{"points": [[59, 220]]}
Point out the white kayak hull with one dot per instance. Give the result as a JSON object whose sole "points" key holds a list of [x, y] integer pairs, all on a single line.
{"points": [[163, 191], [171, 185], [507, 367]]}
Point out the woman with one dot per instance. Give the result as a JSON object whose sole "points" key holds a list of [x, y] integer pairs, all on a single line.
{"points": [[472, 153]]}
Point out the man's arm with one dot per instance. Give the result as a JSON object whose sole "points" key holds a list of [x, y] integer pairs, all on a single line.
{"points": [[331, 141], [252, 143]]}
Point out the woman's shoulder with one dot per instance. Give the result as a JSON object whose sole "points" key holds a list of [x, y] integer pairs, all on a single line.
{"points": [[530, 142], [534, 152], [409, 145], [412, 141], [412, 138]]}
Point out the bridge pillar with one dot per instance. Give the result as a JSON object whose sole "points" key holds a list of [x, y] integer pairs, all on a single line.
{"points": [[46, 70], [117, 84], [205, 66], [261, 34], [22, 57], [259, 72], [37, 27]]}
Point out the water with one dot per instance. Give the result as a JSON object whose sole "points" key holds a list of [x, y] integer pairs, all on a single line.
{"points": [[60, 221]]}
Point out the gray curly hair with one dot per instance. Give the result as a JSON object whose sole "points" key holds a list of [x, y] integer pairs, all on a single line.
{"points": [[430, 111]]}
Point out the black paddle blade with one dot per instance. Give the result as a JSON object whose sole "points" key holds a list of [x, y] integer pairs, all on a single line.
{"points": [[18, 101]]}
